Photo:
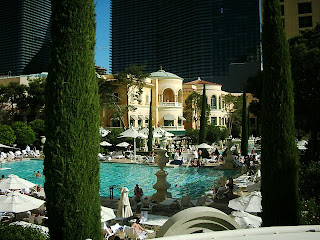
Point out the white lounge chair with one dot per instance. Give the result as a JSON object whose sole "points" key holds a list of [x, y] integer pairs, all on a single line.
{"points": [[37, 153], [25, 153], [11, 155], [101, 157], [18, 154], [108, 233]]}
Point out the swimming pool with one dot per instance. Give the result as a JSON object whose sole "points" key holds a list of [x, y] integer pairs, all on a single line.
{"points": [[190, 181]]}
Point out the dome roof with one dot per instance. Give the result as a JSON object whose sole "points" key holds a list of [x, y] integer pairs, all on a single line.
{"points": [[164, 74]]}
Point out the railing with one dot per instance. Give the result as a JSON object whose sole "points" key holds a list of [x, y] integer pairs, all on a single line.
{"points": [[169, 104], [173, 128]]}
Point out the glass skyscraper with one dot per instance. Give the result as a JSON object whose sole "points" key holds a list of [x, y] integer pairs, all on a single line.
{"points": [[190, 38], [25, 37]]}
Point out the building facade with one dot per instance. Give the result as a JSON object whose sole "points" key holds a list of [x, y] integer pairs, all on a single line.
{"points": [[189, 38], [299, 15], [25, 37], [215, 99], [167, 107]]}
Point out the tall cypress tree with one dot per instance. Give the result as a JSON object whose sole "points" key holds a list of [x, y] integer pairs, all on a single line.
{"points": [[150, 126], [244, 136], [203, 122], [71, 165], [279, 167]]}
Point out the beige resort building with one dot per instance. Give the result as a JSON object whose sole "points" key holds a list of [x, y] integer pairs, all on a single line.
{"points": [[215, 97], [167, 104], [168, 101]]}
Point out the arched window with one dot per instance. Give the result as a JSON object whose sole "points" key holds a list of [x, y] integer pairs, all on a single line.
{"points": [[213, 102], [168, 95]]}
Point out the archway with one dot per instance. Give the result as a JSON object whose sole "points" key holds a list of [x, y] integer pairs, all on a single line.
{"points": [[168, 95]]}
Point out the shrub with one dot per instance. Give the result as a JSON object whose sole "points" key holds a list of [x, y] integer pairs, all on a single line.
{"points": [[14, 232], [193, 134], [7, 135], [310, 212], [38, 127], [24, 134]]}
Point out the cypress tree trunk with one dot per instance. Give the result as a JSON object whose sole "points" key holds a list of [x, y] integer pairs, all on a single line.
{"points": [[203, 122], [244, 135], [279, 186], [150, 126], [71, 165]]}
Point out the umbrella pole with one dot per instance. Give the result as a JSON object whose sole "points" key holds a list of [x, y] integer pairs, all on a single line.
{"points": [[134, 149]]}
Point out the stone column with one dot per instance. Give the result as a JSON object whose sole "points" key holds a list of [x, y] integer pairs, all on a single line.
{"points": [[161, 185], [228, 160]]}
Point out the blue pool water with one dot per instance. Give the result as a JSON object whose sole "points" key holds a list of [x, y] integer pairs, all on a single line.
{"points": [[191, 181]]}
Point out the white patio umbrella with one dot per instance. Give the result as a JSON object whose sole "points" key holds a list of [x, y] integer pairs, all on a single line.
{"points": [[145, 131], [16, 202], [5, 146], [105, 144], [248, 203], [204, 145], [163, 132], [123, 144], [246, 220], [132, 133], [103, 132], [124, 208], [15, 182], [107, 214]]}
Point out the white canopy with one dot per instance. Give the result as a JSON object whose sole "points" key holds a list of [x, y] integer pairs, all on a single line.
{"points": [[105, 144], [5, 146], [103, 132], [16, 202], [124, 208], [163, 132], [15, 182], [132, 133], [107, 214], [123, 144], [204, 145], [145, 131], [248, 203]]}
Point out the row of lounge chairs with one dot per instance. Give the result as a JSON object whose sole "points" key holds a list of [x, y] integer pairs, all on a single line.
{"points": [[10, 156]]}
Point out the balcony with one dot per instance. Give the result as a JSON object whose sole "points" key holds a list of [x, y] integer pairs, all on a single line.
{"points": [[173, 128], [169, 104]]}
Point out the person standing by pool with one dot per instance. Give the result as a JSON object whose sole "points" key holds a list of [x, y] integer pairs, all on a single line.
{"points": [[2, 177], [199, 161], [138, 193], [195, 157]]}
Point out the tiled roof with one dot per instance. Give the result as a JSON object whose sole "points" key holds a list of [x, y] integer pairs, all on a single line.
{"points": [[199, 81]]}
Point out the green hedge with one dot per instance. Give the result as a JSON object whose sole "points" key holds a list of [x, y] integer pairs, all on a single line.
{"points": [[16, 232]]}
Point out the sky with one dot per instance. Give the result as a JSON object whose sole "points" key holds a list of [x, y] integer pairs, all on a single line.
{"points": [[102, 53]]}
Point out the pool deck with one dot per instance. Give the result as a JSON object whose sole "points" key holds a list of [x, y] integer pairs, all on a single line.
{"points": [[128, 161]]}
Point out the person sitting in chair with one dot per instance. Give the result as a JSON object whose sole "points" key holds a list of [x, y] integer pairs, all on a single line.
{"points": [[136, 225], [230, 185]]}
